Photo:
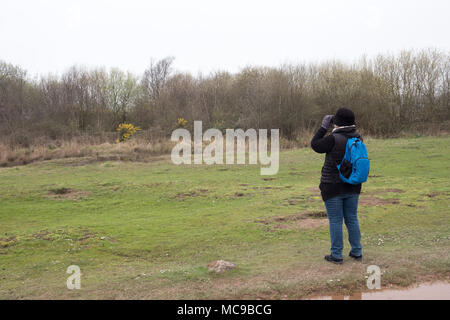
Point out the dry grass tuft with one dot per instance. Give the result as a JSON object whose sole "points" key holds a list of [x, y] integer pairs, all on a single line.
{"points": [[135, 150]]}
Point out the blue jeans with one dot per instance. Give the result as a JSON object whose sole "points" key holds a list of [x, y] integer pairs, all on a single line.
{"points": [[344, 207]]}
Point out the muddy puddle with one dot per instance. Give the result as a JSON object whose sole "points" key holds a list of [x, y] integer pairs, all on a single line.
{"points": [[425, 291]]}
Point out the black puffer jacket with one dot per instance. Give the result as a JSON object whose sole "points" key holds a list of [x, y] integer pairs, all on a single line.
{"points": [[334, 147]]}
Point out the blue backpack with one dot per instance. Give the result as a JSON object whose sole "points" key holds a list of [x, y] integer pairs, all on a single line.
{"points": [[354, 168]]}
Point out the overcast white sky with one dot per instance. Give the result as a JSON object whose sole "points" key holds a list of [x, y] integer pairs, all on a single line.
{"points": [[204, 35]]}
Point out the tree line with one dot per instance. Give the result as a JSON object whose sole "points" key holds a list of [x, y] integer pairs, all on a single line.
{"points": [[390, 94]]}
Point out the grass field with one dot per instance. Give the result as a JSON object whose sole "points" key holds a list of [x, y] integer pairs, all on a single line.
{"points": [[148, 229]]}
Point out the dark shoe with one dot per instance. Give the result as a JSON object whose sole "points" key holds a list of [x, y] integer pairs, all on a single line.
{"points": [[332, 259], [357, 258]]}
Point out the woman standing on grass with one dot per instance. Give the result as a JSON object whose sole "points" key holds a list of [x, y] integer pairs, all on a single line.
{"points": [[341, 199]]}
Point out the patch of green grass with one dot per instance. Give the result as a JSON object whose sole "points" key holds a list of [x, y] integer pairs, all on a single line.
{"points": [[148, 230]]}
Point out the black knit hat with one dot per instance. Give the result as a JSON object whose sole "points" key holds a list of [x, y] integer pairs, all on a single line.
{"points": [[344, 117]]}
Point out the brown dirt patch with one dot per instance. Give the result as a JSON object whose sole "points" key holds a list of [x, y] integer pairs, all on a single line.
{"points": [[191, 194], [7, 242], [87, 234], [433, 194], [316, 214], [289, 218], [60, 191], [412, 205], [43, 235], [66, 194], [367, 200]]}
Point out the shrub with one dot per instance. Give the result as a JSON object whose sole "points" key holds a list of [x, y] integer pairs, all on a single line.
{"points": [[181, 123], [126, 131]]}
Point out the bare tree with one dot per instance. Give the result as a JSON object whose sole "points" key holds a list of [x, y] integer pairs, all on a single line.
{"points": [[156, 76]]}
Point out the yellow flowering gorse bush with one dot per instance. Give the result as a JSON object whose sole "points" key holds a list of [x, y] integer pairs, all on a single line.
{"points": [[181, 123], [126, 131]]}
